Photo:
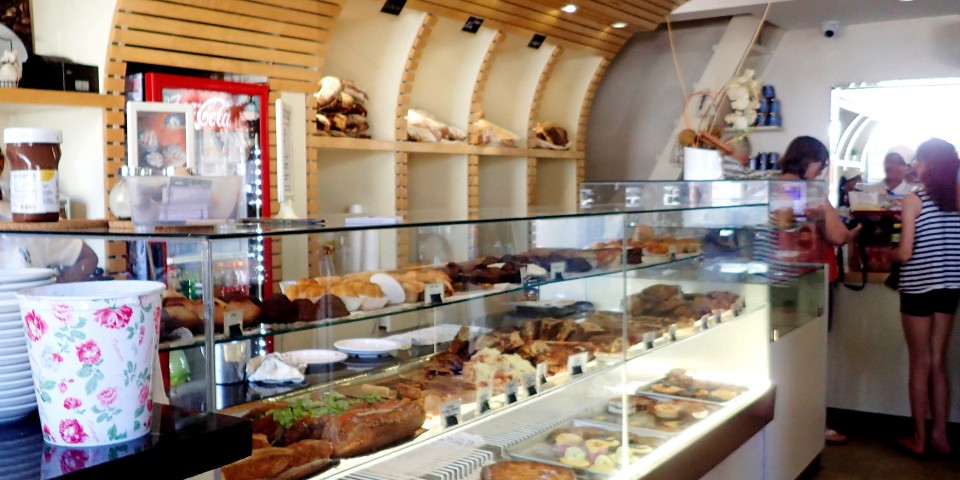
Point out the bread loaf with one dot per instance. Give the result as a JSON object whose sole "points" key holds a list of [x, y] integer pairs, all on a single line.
{"points": [[525, 471], [361, 431]]}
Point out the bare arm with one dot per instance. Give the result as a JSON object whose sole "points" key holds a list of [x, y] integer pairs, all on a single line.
{"points": [[908, 229], [83, 268], [835, 231]]}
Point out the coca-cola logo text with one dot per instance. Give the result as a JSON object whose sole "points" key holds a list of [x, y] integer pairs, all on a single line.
{"points": [[214, 112]]}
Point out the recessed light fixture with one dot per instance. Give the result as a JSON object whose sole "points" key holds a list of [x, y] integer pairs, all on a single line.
{"points": [[619, 24], [569, 8]]}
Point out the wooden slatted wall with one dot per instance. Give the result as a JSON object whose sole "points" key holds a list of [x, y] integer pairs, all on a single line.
{"points": [[282, 41]]}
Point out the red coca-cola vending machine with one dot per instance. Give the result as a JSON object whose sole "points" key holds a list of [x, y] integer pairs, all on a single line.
{"points": [[231, 139]]}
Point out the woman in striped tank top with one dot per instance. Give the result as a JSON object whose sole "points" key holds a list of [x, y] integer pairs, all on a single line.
{"points": [[930, 288]]}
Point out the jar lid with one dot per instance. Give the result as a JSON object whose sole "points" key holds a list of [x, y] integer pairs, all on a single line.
{"points": [[32, 135]]}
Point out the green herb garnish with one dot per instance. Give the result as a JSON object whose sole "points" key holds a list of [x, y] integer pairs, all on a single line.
{"points": [[328, 403]]}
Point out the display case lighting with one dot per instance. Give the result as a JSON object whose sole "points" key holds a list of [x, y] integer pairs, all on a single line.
{"points": [[619, 24], [569, 8]]}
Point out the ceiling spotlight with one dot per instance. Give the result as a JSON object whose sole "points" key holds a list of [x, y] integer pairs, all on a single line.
{"points": [[569, 8], [619, 24]]}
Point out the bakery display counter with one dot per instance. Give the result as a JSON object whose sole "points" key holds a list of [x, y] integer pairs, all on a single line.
{"points": [[387, 338]]}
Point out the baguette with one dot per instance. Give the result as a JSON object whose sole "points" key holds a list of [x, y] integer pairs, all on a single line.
{"points": [[366, 430]]}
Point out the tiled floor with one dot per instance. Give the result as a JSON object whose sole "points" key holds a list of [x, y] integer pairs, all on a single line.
{"points": [[871, 454]]}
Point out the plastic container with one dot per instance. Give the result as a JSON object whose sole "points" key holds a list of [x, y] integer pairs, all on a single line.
{"points": [[176, 200], [91, 347]]}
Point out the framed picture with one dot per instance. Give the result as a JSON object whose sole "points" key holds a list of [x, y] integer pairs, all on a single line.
{"points": [[160, 136], [15, 16]]}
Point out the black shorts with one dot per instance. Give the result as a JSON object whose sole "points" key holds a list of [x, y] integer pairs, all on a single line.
{"points": [[927, 303]]}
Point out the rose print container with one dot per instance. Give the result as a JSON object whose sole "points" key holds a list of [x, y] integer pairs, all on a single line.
{"points": [[91, 347]]}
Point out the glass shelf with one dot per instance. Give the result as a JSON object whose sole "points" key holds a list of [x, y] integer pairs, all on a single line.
{"points": [[267, 330]]}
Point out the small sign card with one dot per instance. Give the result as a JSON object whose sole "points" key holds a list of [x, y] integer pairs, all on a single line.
{"points": [[433, 294], [530, 383], [450, 413], [233, 323], [576, 363], [557, 269], [510, 391], [483, 400], [541, 375]]}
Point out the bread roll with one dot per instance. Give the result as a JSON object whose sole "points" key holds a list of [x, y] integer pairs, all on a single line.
{"points": [[346, 289], [358, 277], [368, 289], [329, 92], [251, 311]]}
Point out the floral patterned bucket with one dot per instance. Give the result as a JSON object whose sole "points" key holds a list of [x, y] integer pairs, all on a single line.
{"points": [[91, 348]]}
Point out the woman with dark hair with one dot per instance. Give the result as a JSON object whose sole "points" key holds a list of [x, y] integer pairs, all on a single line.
{"points": [[930, 289], [805, 159]]}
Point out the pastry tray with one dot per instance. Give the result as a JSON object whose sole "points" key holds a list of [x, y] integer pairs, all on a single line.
{"points": [[646, 389], [536, 449], [602, 415]]}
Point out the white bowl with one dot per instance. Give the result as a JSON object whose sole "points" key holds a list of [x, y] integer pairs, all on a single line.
{"points": [[11, 275], [352, 303], [373, 303], [390, 286]]}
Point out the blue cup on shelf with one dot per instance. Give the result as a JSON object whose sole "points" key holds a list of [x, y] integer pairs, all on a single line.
{"points": [[768, 92], [764, 106], [773, 119], [773, 161], [760, 120], [774, 106]]}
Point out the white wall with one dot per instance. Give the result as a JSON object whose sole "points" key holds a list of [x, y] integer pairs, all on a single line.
{"points": [[634, 111], [640, 98], [62, 28], [806, 65]]}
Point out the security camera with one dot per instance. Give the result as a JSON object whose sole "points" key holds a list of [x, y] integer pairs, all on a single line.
{"points": [[830, 29]]}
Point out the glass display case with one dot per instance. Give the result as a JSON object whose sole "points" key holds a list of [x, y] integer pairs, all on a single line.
{"points": [[628, 338]]}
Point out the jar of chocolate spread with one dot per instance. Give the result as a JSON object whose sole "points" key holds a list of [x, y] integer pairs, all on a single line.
{"points": [[33, 156]]}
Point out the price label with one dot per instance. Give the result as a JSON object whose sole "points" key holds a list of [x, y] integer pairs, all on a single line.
{"points": [[648, 339], [510, 391], [233, 323], [717, 317], [672, 250], [672, 333], [450, 413], [530, 383], [557, 269], [433, 293], [577, 363], [483, 400], [523, 275], [541, 375]]}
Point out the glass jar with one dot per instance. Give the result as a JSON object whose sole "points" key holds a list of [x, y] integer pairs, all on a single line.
{"points": [[34, 157], [119, 200]]}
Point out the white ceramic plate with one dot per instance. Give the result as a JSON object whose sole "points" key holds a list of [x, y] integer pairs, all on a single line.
{"points": [[367, 347], [11, 275], [18, 397], [16, 375], [10, 415], [17, 385], [11, 324], [7, 359], [15, 368], [315, 357], [391, 288], [7, 352], [13, 287], [13, 340]]}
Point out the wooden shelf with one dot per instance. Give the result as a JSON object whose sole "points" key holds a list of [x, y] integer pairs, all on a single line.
{"points": [[56, 98], [366, 144]]}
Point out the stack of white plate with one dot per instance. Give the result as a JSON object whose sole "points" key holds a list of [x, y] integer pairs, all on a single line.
{"points": [[17, 397]]}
